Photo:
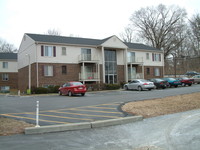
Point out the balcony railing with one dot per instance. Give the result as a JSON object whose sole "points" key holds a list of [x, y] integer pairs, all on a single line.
{"points": [[88, 58], [88, 76], [135, 76], [133, 60]]}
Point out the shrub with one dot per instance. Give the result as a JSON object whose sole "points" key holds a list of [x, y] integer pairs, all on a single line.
{"points": [[40, 90], [112, 86]]}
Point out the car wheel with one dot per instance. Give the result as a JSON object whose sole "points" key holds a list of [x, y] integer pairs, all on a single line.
{"points": [[126, 87], [175, 86], [70, 93], [139, 88], [183, 84], [149, 89], [82, 94], [60, 93], [189, 84]]}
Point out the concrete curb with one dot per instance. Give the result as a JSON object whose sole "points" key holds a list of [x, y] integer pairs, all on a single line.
{"points": [[80, 126]]}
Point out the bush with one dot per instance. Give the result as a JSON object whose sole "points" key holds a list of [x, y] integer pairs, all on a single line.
{"points": [[43, 90], [111, 86]]}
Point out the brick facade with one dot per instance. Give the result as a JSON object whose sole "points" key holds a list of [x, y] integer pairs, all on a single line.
{"points": [[12, 81]]}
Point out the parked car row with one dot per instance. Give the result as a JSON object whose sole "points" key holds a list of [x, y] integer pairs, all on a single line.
{"points": [[141, 84]]}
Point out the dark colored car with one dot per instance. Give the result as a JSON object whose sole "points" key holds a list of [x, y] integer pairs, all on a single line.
{"points": [[172, 82], [186, 81], [192, 73], [72, 88], [159, 83]]}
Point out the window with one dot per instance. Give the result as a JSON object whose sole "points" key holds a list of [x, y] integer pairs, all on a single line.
{"points": [[148, 71], [156, 71], [131, 57], [64, 69], [49, 51], [156, 57], [64, 51], [5, 88], [147, 56], [48, 70], [5, 65], [86, 54], [5, 77]]}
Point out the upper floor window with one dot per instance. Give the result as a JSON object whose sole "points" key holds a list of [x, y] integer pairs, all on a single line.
{"points": [[5, 65], [86, 54], [5, 77], [147, 56], [64, 51], [131, 57], [49, 51], [156, 57]]}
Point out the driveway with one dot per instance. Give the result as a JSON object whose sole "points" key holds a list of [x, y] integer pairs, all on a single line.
{"points": [[170, 132]]}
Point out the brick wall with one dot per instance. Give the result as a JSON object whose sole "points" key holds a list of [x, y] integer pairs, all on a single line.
{"points": [[12, 82], [151, 72]]}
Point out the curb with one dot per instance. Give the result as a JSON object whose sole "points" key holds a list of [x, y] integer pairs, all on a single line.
{"points": [[80, 126]]}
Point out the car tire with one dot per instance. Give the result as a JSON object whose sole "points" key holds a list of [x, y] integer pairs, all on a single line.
{"points": [[175, 86], [139, 88], [70, 93], [183, 84], [149, 89], [82, 94], [189, 84], [60, 93], [126, 88]]}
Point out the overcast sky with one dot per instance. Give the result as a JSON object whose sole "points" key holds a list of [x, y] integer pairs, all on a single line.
{"points": [[84, 18]]}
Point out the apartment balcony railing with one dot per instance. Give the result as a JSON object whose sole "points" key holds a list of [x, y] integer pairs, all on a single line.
{"points": [[135, 76], [88, 76], [88, 58], [133, 60]]}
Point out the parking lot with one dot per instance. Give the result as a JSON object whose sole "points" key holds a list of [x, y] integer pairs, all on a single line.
{"points": [[93, 106], [71, 115]]}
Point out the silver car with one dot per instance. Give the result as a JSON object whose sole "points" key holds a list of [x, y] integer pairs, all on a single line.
{"points": [[196, 79], [139, 84]]}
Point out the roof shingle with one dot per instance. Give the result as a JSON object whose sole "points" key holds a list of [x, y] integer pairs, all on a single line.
{"points": [[10, 56]]}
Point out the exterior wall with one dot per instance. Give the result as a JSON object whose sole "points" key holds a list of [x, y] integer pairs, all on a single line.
{"points": [[12, 82], [120, 73], [141, 56], [152, 74], [12, 66], [27, 48]]}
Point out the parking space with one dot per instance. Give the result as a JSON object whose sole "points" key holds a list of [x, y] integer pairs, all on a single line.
{"points": [[71, 115]]}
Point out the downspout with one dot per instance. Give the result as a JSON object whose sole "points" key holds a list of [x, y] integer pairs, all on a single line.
{"points": [[126, 66], [37, 80], [103, 64]]}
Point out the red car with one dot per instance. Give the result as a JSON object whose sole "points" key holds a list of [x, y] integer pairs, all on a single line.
{"points": [[185, 81], [72, 88]]}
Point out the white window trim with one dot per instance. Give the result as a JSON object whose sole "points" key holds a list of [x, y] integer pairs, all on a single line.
{"points": [[48, 71]]}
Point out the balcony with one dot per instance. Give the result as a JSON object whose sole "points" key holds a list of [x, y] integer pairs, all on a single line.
{"points": [[88, 76], [133, 60], [88, 58], [135, 76]]}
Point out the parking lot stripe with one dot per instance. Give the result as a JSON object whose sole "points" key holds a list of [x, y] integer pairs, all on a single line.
{"points": [[62, 117], [100, 107], [85, 114], [34, 119], [95, 111]]}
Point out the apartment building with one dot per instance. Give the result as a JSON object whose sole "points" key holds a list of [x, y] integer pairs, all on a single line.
{"points": [[8, 72], [45, 60]]}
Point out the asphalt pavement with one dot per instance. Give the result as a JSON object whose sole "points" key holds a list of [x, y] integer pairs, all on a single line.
{"points": [[178, 131]]}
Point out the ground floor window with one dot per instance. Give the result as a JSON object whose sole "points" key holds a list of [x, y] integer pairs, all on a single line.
{"points": [[5, 77], [156, 71], [148, 71], [48, 70], [5, 88]]}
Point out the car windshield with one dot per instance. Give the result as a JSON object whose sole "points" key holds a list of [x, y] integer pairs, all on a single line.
{"points": [[159, 80], [184, 78], [76, 83], [170, 79]]}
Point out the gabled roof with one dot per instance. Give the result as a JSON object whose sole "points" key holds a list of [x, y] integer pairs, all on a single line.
{"points": [[83, 41], [9, 56]]}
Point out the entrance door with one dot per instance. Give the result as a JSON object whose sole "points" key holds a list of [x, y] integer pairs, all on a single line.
{"points": [[131, 72]]}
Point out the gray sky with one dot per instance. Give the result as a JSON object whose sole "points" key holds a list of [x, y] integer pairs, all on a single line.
{"points": [[84, 18]]}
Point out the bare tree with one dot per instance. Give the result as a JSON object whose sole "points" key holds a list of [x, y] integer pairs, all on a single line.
{"points": [[160, 26], [195, 30], [53, 32], [127, 35], [6, 47]]}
